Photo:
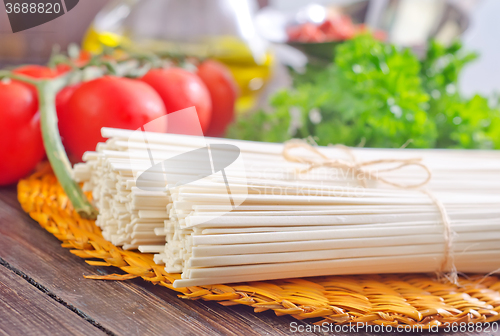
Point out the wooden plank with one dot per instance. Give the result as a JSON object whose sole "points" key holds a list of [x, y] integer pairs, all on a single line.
{"points": [[131, 307], [25, 310]]}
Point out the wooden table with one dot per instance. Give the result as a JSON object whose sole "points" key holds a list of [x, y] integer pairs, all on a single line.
{"points": [[43, 292]]}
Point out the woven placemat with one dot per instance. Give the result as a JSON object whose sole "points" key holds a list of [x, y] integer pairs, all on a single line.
{"points": [[412, 299]]}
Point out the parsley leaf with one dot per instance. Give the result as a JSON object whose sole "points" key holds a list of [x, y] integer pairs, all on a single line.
{"points": [[382, 96]]}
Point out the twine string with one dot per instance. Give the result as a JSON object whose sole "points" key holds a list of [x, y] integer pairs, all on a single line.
{"points": [[452, 276], [356, 166], [361, 172]]}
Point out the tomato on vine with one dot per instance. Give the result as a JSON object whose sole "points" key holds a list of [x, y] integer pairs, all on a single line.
{"points": [[20, 134], [223, 93], [180, 89], [107, 102]]}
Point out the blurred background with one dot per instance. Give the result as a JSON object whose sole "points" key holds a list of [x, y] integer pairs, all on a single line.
{"points": [[365, 73], [405, 22]]}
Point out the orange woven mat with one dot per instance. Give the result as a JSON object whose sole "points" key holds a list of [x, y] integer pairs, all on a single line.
{"points": [[412, 299]]}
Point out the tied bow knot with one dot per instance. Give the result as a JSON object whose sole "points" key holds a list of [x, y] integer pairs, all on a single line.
{"points": [[359, 168]]}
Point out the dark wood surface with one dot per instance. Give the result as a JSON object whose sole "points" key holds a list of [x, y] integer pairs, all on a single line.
{"points": [[42, 292], [30, 311]]}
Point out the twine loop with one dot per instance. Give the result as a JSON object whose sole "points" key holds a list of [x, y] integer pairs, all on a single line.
{"points": [[359, 168]]}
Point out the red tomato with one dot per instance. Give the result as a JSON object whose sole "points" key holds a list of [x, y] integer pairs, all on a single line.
{"points": [[108, 102], [337, 28], [307, 32], [223, 93], [293, 33], [82, 60], [20, 134], [36, 71], [329, 28], [63, 68], [345, 29], [180, 89], [63, 97], [380, 35], [62, 100]]}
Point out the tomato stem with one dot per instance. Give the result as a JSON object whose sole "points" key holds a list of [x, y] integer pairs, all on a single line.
{"points": [[21, 78], [47, 90]]}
